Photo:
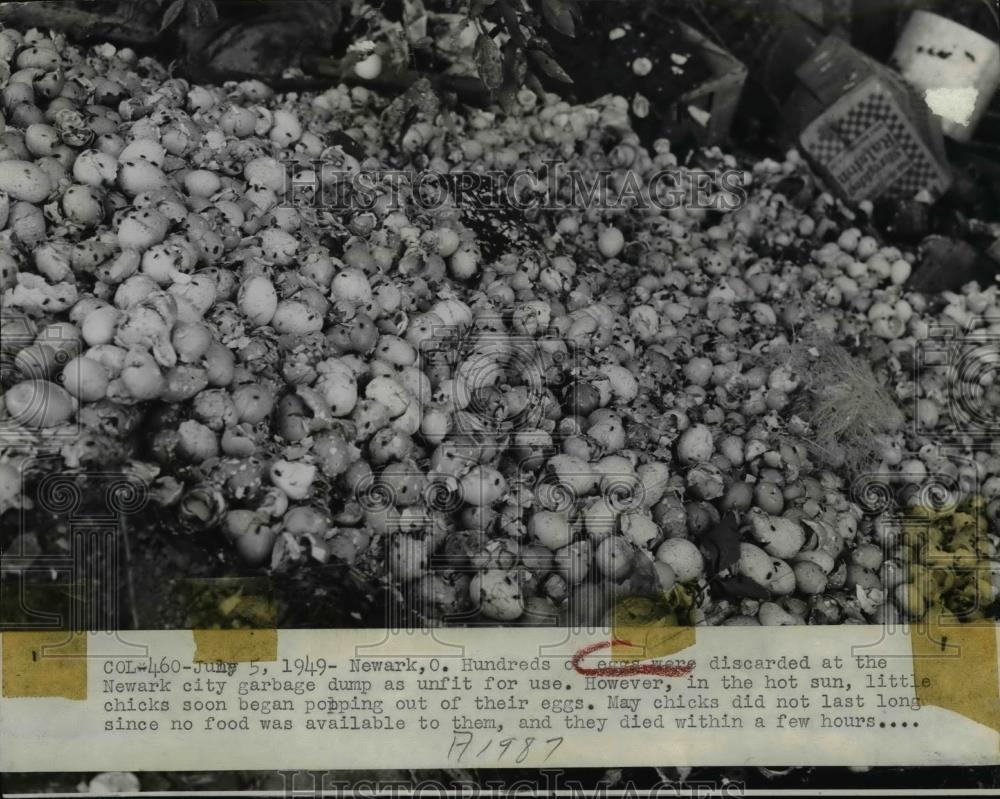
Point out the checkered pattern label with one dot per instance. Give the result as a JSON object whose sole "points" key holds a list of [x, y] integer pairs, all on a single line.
{"points": [[869, 147]]}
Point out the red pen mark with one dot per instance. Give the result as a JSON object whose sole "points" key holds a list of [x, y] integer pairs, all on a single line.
{"points": [[625, 669]]}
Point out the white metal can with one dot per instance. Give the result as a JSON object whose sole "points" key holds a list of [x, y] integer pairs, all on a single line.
{"points": [[957, 69]]}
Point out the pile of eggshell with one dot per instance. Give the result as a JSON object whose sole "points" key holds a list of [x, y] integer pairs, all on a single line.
{"points": [[509, 438]]}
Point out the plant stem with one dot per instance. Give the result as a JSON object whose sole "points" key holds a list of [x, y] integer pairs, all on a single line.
{"points": [[129, 582], [512, 23]]}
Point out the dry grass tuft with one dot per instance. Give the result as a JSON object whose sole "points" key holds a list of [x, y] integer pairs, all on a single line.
{"points": [[844, 404]]}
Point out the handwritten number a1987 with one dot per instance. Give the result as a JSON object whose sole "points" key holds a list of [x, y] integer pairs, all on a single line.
{"points": [[461, 741]]}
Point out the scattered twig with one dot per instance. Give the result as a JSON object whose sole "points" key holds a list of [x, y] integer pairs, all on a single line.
{"points": [[467, 88], [707, 26]]}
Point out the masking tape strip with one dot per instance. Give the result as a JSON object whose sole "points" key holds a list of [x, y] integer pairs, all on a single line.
{"points": [[954, 663], [235, 646], [650, 641], [955, 668], [642, 630], [44, 664], [228, 602]]}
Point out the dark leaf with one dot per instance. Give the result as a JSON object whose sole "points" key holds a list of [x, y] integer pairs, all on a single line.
{"points": [[347, 144], [741, 587], [721, 544], [515, 63], [489, 61], [170, 15], [196, 12], [542, 44], [210, 13], [550, 66], [559, 14], [409, 117]]}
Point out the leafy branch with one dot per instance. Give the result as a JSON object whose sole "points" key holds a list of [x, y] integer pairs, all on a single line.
{"points": [[511, 50], [526, 56], [197, 12]]}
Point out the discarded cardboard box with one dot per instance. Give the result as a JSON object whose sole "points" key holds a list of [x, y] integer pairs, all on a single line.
{"points": [[867, 131]]}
